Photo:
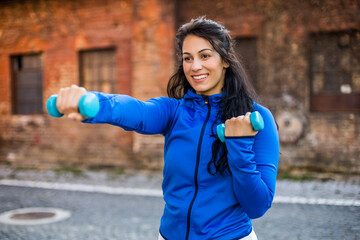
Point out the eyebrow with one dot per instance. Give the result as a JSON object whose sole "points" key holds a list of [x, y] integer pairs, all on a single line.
{"points": [[202, 50]]}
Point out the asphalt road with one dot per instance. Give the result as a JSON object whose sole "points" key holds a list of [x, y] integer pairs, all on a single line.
{"points": [[306, 211]]}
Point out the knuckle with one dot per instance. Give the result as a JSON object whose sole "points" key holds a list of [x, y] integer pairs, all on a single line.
{"points": [[64, 90], [240, 118]]}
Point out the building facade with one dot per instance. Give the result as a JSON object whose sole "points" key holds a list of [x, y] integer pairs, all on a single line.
{"points": [[302, 57]]}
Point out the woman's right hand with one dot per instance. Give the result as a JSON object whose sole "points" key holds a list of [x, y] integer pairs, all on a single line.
{"points": [[68, 102]]}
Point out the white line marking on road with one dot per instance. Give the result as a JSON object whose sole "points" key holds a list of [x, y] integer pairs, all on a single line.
{"points": [[158, 193], [317, 201], [83, 188]]}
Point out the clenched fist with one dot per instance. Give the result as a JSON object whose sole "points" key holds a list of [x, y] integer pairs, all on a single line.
{"points": [[68, 101], [239, 126]]}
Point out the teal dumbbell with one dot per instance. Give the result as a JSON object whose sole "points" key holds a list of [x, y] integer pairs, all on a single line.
{"points": [[256, 120], [88, 106]]}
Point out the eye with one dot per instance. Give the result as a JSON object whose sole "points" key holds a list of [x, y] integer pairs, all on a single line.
{"points": [[205, 56], [186, 59]]}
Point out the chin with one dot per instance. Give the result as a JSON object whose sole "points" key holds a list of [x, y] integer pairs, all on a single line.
{"points": [[200, 91]]}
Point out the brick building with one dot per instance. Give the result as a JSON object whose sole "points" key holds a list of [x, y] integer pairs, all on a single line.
{"points": [[302, 57]]}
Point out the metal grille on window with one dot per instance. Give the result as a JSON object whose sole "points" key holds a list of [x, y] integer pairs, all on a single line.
{"points": [[27, 84], [97, 70], [335, 71]]}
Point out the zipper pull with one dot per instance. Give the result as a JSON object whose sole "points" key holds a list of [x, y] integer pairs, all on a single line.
{"points": [[206, 100]]}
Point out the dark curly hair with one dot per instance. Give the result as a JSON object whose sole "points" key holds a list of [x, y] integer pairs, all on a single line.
{"points": [[239, 94]]}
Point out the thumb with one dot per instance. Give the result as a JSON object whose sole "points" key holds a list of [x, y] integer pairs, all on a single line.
{"points": [[76, 116]]}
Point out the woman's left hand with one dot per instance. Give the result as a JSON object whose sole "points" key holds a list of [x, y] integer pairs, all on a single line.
{"points": [[239, 126]]}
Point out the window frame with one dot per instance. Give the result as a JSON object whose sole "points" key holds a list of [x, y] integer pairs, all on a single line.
{"points": [[14, 83], [330, 102], [82, 80], [251, 68]]}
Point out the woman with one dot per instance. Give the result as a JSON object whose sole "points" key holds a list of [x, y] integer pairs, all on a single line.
{"points": [[212, 190]]}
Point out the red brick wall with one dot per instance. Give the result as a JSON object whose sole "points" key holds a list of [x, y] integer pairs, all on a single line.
{"points": [[314, 141], [140, 31], [152, 66]]}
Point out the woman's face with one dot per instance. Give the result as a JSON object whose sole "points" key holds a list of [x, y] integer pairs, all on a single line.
{"points": [[203, 66]]}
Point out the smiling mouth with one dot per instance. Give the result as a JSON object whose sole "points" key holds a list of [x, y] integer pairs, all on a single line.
{"points": [[200, 77]]}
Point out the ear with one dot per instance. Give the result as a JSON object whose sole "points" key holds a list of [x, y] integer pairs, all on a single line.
{"points": [[225, 64]]}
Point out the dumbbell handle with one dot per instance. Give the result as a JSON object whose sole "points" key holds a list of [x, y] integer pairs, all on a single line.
{"points": [[256, 120], [88, 106]]}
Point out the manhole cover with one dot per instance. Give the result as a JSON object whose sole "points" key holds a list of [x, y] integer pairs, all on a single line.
{"points": [[34, 216]]}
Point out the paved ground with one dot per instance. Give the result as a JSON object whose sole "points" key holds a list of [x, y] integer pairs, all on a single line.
{"points": [[303, 210]]}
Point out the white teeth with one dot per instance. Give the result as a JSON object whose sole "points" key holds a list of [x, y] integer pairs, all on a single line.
{"points": [[199, 77]]}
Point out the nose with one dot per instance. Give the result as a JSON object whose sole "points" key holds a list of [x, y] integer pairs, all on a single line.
{"points": [[196, 65]]}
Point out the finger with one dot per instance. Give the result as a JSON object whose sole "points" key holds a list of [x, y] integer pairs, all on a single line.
{"points": [[74, 98], [247, 117], [240, 118], [83, 90], [67, 100], [60, 101], [78, 93], [230, 120]]}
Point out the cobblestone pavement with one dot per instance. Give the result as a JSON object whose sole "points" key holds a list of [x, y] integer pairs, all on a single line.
{"points": [[102, 216]]}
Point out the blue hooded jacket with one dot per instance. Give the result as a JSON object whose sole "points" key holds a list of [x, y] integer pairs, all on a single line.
{"points": [[199, 205]]}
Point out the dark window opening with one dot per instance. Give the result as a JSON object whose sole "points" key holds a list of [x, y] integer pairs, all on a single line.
{"points": [[27, 84], [98, 70], [335, 71], [246, 50]]}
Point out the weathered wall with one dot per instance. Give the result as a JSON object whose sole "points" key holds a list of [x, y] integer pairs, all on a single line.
{"points": [[309, 140], [59, 30], [142, 32], [153, 64]]}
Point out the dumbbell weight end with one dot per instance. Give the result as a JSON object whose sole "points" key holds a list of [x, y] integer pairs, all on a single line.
{"points": [[51, 107]]}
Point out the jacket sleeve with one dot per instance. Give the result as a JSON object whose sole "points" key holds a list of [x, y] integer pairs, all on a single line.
{"points": [[253, 162], [150, 117]]}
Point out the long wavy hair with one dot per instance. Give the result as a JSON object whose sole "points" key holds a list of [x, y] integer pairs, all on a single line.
{"points": [[238, 94]]}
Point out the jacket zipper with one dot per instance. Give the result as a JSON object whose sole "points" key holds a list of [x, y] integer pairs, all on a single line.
{"points": [[206, 98]]}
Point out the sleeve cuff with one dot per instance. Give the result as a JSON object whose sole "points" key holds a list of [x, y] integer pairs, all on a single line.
{"points": [[240, 153]]}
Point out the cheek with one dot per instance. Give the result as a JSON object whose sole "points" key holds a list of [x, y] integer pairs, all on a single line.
{"points": [[186, 69], [213, 65]]}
